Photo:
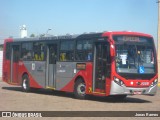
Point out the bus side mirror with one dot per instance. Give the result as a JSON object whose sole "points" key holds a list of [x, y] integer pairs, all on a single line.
{"points": [[112, 53], [112, 50]]}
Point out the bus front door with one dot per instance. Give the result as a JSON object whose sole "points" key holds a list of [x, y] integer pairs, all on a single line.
{"points": [[101, 66], [15, 56], [51, 66]]}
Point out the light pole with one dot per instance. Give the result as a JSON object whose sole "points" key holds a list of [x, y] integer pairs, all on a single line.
{"points": [[48, 31]]}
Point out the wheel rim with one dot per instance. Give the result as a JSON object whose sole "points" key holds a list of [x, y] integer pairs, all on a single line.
{"points": [[25, 84], [81, 89]]}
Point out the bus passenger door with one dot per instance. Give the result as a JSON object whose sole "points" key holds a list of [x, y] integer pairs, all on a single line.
{"points": [[51, 65], [15, 56], [101, 66]]}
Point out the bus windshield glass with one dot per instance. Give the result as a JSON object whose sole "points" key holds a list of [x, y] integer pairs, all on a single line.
{"points": [[134, 55]]}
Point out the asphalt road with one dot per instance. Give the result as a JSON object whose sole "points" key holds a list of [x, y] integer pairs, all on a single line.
{"points": [[13, 99]]}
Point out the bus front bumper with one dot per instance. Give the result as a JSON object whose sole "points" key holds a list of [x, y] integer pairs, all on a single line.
{"points": [[123, 90]]}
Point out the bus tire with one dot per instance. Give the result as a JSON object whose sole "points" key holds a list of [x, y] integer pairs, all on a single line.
{"points": [[80, 89], [25, 83]]}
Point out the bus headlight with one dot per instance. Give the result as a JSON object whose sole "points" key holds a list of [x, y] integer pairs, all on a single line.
{"points": [[154, 82], [118, 81]]}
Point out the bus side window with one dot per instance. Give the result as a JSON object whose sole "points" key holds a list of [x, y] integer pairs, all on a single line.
{"points": [[8, 51], [52, 54], [108, 61], [27, 50], [39, 50], [16, 53], [84, 50], [67, 50], [63, 57]]}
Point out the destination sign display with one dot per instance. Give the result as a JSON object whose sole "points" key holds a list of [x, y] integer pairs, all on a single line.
{"points": [[130, 38], [124, 38]]}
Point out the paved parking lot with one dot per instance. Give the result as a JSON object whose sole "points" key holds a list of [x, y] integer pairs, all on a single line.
{"points": [[13, 99]]}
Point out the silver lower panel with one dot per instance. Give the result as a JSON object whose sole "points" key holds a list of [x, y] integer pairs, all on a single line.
{"points": [[121, 90]]}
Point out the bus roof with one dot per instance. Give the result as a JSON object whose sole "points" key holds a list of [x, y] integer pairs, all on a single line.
{"points": [[81, 36], [125, 33]]}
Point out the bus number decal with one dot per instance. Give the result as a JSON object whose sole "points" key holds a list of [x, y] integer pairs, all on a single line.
{"points": [[33, 66]]}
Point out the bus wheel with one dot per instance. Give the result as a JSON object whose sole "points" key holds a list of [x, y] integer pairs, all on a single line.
{"points": [[80, 89], [25, 83]]}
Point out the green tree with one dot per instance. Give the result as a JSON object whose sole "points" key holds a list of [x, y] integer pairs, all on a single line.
{"points": [[42, 35], [32, 35]]}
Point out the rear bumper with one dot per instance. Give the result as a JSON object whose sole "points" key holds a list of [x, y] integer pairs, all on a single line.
{"points": [[121, 90]]}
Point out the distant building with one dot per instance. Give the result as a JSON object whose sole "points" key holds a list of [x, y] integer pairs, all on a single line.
{"points": [[23, 31]]}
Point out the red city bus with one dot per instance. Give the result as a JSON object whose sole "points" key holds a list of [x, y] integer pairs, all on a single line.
{"points": [[113, 64]]}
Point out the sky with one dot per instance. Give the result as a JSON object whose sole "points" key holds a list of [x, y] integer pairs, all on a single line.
{"points": [[77, 16]]}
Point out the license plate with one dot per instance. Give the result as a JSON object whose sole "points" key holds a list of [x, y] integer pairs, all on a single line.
{"points": [[137, 92]]}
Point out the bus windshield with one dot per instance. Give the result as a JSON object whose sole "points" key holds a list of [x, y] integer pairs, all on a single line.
{"points": [[134, 56]]}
